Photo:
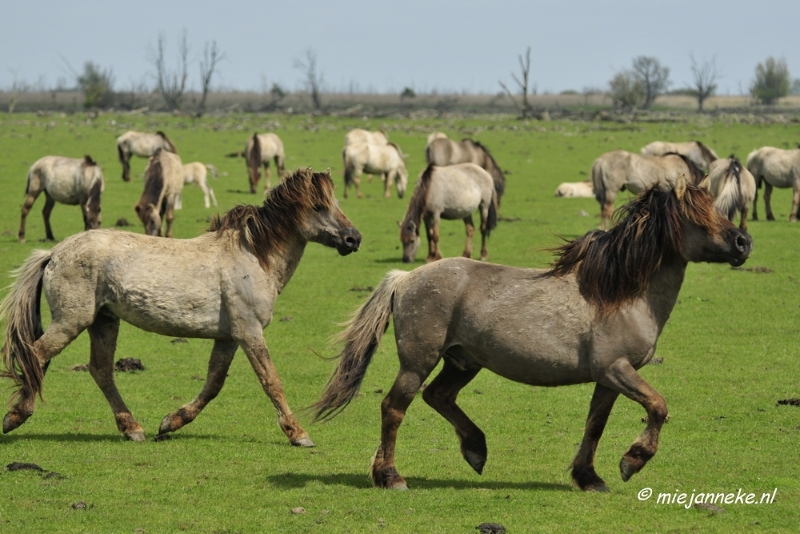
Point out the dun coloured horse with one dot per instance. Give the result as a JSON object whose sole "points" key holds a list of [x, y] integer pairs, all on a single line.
{"points": [[450, 193], [163, 185], [357, 136], [733, 188], [221, 285], [197, 173], [775, 168], [383, 160], [258, 151], [620, 170], [697, 152], [594, 316], [442, 151], [140, 144], [575, 190], [433, 136], [68, 181]]}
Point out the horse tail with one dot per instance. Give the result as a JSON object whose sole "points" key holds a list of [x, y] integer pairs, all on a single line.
{"points": [[491, 220], [22, 308], [750, 164], [361, 338], [598, 181], [212, 169], [254, 156], [348, 169], [729, 196]]}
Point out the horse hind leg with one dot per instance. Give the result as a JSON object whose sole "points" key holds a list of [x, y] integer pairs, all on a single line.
{"points": [[218, 365], [441, 395], [46, 211], [583, 473], [26, 208], [768, 201], [469, 226]]}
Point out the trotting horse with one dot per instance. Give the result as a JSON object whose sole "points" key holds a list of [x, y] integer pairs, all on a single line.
{"points": [[163, 185], [450, 193], [221, 286], [594, 316], [197, 173], [443, 151], [775, 168], [68, 181], [258, 151], [619, 170], [733, 188], [140, 144], [700, 154], [383, 160]]}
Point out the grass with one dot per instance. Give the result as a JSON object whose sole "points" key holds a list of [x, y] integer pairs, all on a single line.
{"points": [[729, 353]]}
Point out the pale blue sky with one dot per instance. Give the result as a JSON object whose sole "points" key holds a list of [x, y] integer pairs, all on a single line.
{"points": [[447, 45]]}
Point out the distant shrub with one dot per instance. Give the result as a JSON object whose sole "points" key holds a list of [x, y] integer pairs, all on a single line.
{"points": [[771, 81]]}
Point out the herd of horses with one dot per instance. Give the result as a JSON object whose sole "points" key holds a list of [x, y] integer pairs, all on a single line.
{"points": [[594, 316]]}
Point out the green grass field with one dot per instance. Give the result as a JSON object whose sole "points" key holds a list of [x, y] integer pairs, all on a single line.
{"points": [[729, 354]]}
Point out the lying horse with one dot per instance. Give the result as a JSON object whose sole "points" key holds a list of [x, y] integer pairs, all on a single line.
{"points": [[221, 286], [450, 193], [197, 173], [733, 188], [619, 170], [775, 168], [140, 144], [594, 316], [697, 152], [68, 181], [258, 151], [575, 190], [163, 185], [443, 151], [383, 160]]}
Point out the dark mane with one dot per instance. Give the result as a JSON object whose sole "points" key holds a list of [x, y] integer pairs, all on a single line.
{"points": [[419, 198], [153, 183], [266, 230], [696, 174], [88, 161], [493, 168], [735, 167], [617, 266], [172, 147], [400, 152], [707, 155]]}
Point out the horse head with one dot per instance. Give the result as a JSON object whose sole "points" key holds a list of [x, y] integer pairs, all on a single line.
{"points": [[91, 209], [409, 236], [150, 217]]}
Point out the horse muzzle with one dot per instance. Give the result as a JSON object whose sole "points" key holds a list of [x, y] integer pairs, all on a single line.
{"points": [[349, 241], [741, 248]]}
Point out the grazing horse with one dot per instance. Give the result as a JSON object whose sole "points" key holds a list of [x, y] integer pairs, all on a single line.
{"points": [[259, 150], [775, 168], [575, 190], [384, 160], [594, 316], [66, 180], [197, 173], [619, 170], [358, 136], [221, 285], [450, 193], [733, 188], [163, 185], [442, 151], [140, 144], [700, 154]]}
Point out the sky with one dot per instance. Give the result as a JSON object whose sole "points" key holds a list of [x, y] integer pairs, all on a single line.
{"points": [[448, 46]]}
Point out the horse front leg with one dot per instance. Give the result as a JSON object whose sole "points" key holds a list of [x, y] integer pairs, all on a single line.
{"points": [[258, 354], [469, 226], [170, 216], [743, 219], [26, 208], [606, 212], [768, 201], [795, 213], [583, 473], [432, 229], [357, 181], [388, 181], [125, 159], [267, 175], [218, 365], [46, 211]]}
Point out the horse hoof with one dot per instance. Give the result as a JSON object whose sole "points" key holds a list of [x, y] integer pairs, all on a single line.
{"points": [[11, 421], [627, 469], [162, 437], [399, 487], [136, 435], [302, 442], [475, 460], [601, 488]]}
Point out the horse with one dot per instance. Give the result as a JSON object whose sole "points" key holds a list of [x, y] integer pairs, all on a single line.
{"points": [[163, 185], [700, 154], [575, 190], [442, 151], [619, 170], [221, 285], [197, 172], [450, 193], [594, 316], [140, 144], [258, 151], [733, 188], [358, 136], [775, 168], [384, 160], [66, 180], [433, 136]]}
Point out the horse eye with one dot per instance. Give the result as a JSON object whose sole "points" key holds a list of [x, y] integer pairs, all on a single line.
{"points": [[319, 208]]}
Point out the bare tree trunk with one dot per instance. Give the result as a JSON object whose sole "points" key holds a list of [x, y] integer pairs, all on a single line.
{"points": [[525, 69], [211, 56], [705, 78], [171, 85], [313, 79]]}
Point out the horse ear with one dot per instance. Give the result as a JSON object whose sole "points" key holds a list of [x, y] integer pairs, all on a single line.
{"points": [[88, 160], [680, 186], [705, 183], [137, 208]]}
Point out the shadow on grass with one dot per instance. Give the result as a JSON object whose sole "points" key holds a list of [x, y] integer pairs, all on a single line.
{"points": [[362, 481]]}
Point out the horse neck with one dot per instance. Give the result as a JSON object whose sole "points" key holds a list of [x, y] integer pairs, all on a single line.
{"points": [[665, 285], [284, 261]]}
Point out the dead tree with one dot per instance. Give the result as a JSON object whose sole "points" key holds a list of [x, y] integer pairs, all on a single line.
{"points": [[525, 69], [653, 77], [705, 78], [312, 79], [171, 85], [211, 57]]}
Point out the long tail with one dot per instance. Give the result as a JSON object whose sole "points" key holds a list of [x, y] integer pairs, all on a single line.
{"points": [[213, 170], [361, 337], [598, 182], [348, 170], [729, 198], [23, 309], [491, 221]]}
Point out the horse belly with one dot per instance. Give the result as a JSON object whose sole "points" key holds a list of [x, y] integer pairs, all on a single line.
{"points": [[182, 319]]}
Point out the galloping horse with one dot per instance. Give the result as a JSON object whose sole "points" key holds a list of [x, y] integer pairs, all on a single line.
{"points": [[140, 144], [697, 152], [733, 188], [452, 192], [66, 180], [384, 160], [163, 185], [619, 170], [442, 151], [221, 286], [594, 316], [259, 150], [778, 168], [358, 136], [197, 173]]}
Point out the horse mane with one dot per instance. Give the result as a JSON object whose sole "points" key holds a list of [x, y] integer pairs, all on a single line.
{"points": [[153, 182], [735, 167], [416, 206], [709, 157], [616, 266], [163, 136], [267, 229], [696, 174], [88, 161], [497, 173], [399, 152]]}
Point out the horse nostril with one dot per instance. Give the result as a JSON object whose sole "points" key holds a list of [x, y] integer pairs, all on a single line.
{"points": [[351, 242], [741, 243]]}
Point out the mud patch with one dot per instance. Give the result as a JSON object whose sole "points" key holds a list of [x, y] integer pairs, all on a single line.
{"points": [[79, 367], [368, 289], [491, 528], [22, 466], [128, 364], [789, 402], [122, 222], [286, 319], [757, 270]]}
